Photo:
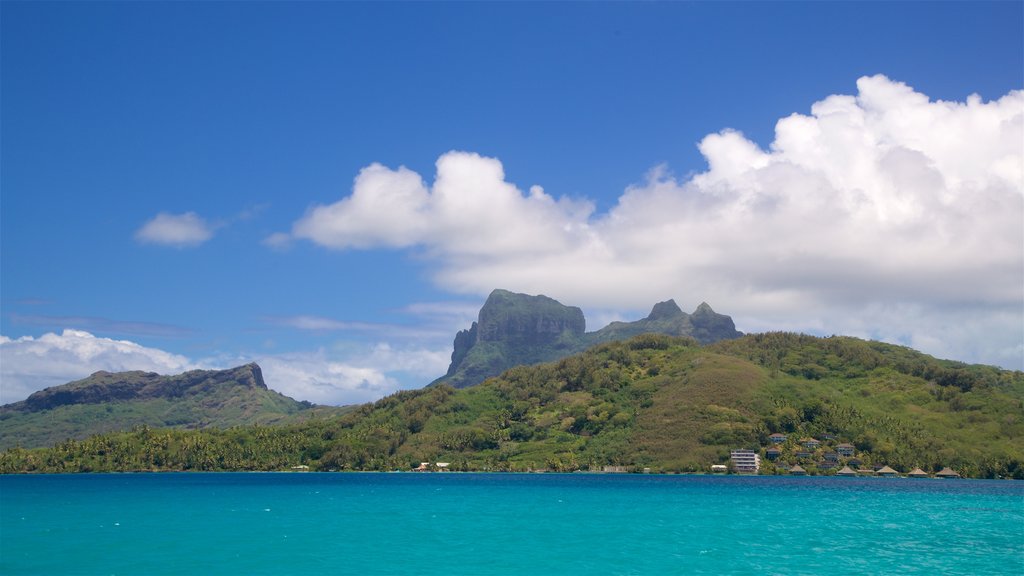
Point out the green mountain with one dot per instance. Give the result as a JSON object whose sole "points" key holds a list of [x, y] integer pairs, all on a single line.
{"points": [[654, 401], [105, 402], [519, 329]]}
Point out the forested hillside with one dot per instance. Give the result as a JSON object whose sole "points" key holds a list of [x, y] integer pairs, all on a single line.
{"points": [[654, 401]]}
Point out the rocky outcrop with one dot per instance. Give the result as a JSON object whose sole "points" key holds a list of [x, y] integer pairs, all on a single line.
{"points": [[527, 320], [104, 386], [515, 329]]}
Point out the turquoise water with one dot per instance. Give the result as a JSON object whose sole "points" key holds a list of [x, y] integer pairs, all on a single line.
{"points": [[305, 523]]}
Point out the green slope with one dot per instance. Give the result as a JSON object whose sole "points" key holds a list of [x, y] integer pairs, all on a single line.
{"points": [[658, 402], [107, 402]]}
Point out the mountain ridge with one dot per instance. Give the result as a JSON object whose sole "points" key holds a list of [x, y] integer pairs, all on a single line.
{"points": [[110, 401], [516, 329]]}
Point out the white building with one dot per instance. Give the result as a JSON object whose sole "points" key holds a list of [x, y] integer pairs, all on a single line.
{"points": [[745, 461]]}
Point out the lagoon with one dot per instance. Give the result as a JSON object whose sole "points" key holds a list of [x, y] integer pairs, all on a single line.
{"points": [[451, 523]]}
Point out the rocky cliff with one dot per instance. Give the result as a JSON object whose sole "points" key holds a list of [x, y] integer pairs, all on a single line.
{"points": [[106, 402], [517, 329]]}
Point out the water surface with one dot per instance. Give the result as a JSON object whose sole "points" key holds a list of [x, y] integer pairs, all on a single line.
{"points": [[309, 523]]}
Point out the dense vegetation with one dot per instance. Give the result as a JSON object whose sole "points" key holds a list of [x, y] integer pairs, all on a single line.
{"points": [[658, 402]]}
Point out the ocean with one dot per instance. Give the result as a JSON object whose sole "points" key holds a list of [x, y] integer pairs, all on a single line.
{"points": [[479, 524]]}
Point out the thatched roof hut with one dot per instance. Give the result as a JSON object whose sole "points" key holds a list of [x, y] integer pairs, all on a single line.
{"points": [[947, 472], [888, 472], [797, 471], [846, 471], [917, 473]]}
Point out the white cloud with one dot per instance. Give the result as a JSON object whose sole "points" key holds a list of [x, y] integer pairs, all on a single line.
{"points": [[358, 376], [876, 202], [29, 364], [178, 230]]}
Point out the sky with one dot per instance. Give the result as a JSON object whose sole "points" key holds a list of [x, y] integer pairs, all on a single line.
{"points": [[332, 189]]}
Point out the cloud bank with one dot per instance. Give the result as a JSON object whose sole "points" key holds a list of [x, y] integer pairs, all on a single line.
{"points": [[882, 214], [186, 230], [28, 364]]}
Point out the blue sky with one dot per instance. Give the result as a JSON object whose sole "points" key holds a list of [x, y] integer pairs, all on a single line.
{"points": [[332, 189]]}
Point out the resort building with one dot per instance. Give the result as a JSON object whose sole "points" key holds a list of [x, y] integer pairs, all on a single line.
{"points": [[745, 461], [777, 438], [846, 471], [947, 472], [845, 450], [797, 471], [810, 443], [772, 453], [719, 468], [887, 472], [917, 473]]}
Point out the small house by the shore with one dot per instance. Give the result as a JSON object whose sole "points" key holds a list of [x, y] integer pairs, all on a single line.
{"points": [[887, 472], [846, 471], [719, 468], [797, 471], [917, 473], [947, 472]]}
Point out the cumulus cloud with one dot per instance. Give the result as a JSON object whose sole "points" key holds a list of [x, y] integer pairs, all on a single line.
{"points": [[884, 213], [352, 377], [178, 230], [29, 364]]}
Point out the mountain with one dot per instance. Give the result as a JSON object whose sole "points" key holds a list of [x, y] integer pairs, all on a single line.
{"points": [[107, 401], [659, 402], [519, 329]]}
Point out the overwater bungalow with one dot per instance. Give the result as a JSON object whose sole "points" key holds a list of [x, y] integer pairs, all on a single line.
{"points": [[887, 472], [846, 471], [947, 472], [917, 473]]}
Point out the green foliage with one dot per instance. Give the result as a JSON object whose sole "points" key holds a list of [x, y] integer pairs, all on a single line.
{"points": [[654, 401]]}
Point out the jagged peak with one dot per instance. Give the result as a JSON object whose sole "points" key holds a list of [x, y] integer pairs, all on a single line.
{"points": [[704, 308], [666, 309]]}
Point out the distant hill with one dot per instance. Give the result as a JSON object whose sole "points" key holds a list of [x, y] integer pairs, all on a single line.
{"points": [[519, 329], [653, 401], [105, 402]]}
